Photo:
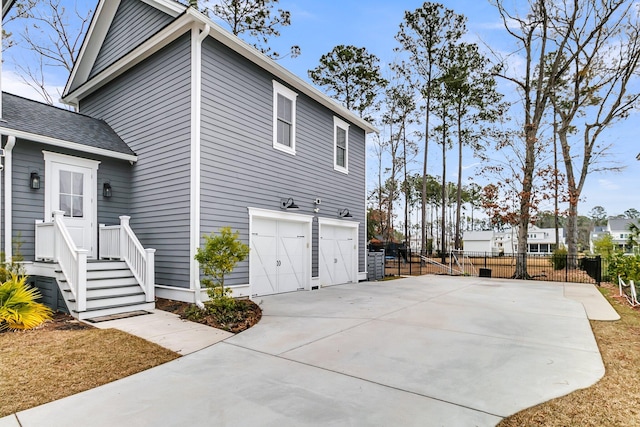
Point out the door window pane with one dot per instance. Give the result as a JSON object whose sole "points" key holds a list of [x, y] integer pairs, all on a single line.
{"points": [[77, 184], [72, 194], [65, 204], [65, 182]]}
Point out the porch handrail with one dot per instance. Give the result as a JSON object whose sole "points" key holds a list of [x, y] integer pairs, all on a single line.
{"points": [[126, 247], [71, 259]]}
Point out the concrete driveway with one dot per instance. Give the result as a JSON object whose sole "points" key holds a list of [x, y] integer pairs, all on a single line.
{"points": [[425, 351]]}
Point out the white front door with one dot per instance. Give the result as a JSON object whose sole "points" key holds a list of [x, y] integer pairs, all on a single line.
{"points": [[70, 184]]}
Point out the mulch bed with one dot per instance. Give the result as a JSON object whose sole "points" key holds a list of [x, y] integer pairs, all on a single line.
{"points": [[61, 322], [248, 314]]}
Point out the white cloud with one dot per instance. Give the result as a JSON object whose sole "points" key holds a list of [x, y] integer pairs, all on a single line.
{"points": [[13, 83], [608, 185]]}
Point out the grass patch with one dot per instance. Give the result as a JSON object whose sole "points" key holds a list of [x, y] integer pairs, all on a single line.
{"points": [[43, 365], [613, 401]]}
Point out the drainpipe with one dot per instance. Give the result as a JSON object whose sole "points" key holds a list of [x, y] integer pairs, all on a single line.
{"points": [[196, 103], [8, 195]]}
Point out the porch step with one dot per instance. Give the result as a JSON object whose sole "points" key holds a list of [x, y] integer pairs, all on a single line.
{"points": [[115, 309], [113, 300], [111, 289]]}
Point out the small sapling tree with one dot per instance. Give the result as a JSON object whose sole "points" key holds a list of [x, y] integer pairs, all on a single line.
{"points": [[218, 258]]}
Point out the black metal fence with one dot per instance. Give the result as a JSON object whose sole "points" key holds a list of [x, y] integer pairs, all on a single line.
{"points": [[560, 268]]}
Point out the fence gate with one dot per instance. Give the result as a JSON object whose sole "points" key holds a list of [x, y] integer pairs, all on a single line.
{"points": [[593, 267], [375, 265]]}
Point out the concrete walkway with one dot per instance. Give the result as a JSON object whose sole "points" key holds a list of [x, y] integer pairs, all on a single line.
{"points": [[168, 330], [431, 350]]}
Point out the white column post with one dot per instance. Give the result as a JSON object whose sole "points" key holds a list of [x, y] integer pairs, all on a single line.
{"points": [[124, 223], [150, 275], [56, 216], [81, 274]]}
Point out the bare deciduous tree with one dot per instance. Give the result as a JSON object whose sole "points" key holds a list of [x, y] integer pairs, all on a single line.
{"points": [[54, 35], [595, 92]]}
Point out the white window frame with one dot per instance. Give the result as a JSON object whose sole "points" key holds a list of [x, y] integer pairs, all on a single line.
{"points": [[338, 123], [279, 89]]}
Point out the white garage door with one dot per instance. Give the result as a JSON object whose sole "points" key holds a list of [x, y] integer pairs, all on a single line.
{"points": [[279, 256], [338, 254]]}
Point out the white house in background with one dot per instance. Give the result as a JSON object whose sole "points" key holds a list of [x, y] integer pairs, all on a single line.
{"points": [[539, 241], [597, 233], [619, 230]]}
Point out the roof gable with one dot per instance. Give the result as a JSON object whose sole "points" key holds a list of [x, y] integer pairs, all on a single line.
{"points": [[98, 30], [133, 23], [80, 83]]}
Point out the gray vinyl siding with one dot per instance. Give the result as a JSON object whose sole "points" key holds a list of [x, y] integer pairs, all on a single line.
{"points": [[240, 167], [149, 107], [50, 293], [28, 204], [134, 22]]}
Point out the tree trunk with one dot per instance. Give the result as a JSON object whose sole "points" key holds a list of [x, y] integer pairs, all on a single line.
{"points": [[424, 178], [525, 202], [407, 236], [459, 193], [444, 191]]}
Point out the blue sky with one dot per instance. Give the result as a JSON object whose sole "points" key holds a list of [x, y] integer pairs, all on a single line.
{"points": [[318, 26]]}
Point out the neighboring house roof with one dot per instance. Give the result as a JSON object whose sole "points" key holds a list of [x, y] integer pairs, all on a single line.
{"points": [[81, 84], [620, 224], [35, 121]]}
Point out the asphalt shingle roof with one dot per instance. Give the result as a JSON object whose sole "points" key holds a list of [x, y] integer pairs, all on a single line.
{"points": [[30, 116]]}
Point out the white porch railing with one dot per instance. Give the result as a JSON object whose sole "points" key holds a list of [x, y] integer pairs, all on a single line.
{"points": [[120, 242], [53, 242]]}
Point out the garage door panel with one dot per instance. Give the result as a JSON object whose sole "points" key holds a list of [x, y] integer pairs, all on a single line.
{"points": [[292, 267], [326, 263], [337, 254], [344, 267], [263, 257], [280, 254]]}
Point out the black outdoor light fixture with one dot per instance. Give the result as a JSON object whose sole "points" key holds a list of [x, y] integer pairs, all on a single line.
{"points": [[106, 190], [344, 213], [34, 181], [288, 204]]}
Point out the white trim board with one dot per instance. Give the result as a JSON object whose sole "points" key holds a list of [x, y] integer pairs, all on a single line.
{"points": [[67, 144]]}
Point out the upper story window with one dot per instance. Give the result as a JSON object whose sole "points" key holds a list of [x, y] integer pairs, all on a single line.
{"points": [[284, 118], [340, 145]]}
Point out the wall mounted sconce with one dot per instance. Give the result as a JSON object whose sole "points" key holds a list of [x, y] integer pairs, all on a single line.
{"points": [[344, 213], [106, 190], [316, 204], [34, 181], [288, 204]]}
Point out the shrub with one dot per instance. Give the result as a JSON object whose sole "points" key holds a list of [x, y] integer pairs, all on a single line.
{"points": [[15, 267], [218, 258], [625, 266], [18, 306], [559, 258]]}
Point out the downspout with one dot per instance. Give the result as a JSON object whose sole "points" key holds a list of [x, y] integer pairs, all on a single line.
{"points": [[8, 196], [197, 38]]}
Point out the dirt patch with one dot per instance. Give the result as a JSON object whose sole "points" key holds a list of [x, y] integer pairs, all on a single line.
{"points": [[64, 322], [247, 314]]}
